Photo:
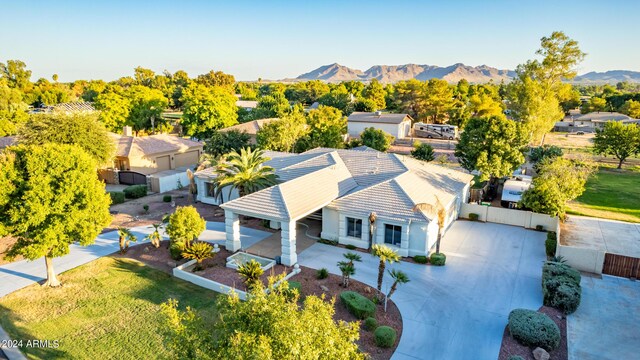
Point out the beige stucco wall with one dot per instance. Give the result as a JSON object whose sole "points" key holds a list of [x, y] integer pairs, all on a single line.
{"points": [[147, 164]]}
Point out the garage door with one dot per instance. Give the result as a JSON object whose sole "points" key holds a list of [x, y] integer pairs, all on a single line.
{"points": [[163, 163], [187, 159]]}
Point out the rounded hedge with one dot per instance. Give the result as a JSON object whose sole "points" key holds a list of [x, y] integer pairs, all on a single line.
{"points": [[370, 323], [117, 197], [531, 328], [135, 191], [166, 198], [358, 305], [385, 336], [473, 217], [438, 259], [420, 259]]}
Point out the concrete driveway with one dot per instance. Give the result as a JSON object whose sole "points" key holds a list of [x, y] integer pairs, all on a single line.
{"points": [[607, 323], [458, 311]]}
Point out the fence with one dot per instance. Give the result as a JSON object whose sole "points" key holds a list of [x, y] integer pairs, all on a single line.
{"points": [[583, 259], [526, 219], [620, 265]]}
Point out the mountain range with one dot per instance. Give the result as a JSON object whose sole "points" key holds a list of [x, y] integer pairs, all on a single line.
{"points": [[454, 73]]}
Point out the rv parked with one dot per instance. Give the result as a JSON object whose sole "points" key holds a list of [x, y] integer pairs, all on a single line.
{"points": [[513, 189], [435, 131]]}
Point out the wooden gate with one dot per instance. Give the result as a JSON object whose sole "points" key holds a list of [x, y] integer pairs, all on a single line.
{"points": [[132, 178], [620, 265]]}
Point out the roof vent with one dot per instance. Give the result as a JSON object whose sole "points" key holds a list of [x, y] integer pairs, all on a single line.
{"points": [[378, 113]]}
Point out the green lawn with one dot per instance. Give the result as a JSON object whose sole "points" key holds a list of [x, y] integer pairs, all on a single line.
{"points": [[611, 194], [108, 308]]}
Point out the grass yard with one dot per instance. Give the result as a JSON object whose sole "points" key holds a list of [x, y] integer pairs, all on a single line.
{"points": [[106, 309], [610, 194]]}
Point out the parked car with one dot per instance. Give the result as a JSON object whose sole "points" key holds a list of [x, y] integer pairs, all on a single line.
{"points": [[579, 132]]}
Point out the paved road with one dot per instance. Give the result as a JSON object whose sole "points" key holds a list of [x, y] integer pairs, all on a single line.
{"points": [[14, 276], [458, 311], [607, 323]]}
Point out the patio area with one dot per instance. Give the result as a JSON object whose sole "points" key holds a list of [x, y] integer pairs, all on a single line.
{"points": [[307, 233]]}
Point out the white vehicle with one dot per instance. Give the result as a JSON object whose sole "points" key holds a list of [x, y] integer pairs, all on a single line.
{"points": [[513, 189], [435, 131]]}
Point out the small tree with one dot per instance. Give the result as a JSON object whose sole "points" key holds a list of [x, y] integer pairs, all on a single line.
{"points": [[250, 271], [398, 277], [125, 238], [185, 225], [618, 140], [439, 211], [376, 139], [348, 268], [155, 236], [422, 151], [198, 251], [386, 254], [537, 154], [50, 197]]}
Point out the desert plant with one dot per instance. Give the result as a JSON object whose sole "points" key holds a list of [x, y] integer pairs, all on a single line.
{"points": [[117, 197], [347, 269], [473, 217], [250, 271], [531, 328], [420, 259], [370, 323], [438, 259], [386, 254], [198, 251], [155, 236], [322, 273], [135, 191], [422, 151], [358, 305], [145, 207], [166, 198], [385, 336], [398, 277], [125, 237]]}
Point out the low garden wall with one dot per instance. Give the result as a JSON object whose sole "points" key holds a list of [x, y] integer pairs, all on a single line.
{"points": [[526, 219], [181, 272], [583, 259]]}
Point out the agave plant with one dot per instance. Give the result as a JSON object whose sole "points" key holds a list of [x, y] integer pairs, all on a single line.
{"points": [[386, 254], [155, 236], [250, 271], [125, 237], [398, 277], [198, 251]]}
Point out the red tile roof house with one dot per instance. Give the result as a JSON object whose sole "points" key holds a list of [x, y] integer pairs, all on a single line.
{"points": [[343, 187]]}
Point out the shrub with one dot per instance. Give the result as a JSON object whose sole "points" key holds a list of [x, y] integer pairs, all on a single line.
{"points": [[175, 250], [350, 247], [539, 228], [145, 207], [550, 244], [250, 271], [561, 287], [322, 273], [423, 151], [185, 225], [117, 197], [370, 323], [328, 242], [531, 328], [135, 191], [385, 336], [554, 269], [166, 198], [292, 290], [420, 259], [198, 251], [566, 297], [473, 217], [438, 259], [515, 357], [358, 305]]}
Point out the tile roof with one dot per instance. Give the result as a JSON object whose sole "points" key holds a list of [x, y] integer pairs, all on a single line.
{"points": [[132, 146], [378, 118], [251, 127], [602, 116]]}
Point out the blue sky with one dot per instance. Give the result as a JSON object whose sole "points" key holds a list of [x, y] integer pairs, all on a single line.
{"points": [[277, 39]]}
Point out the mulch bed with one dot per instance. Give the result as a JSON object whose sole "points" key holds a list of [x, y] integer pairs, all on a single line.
{"points": [[156, 258], [511, 347]]}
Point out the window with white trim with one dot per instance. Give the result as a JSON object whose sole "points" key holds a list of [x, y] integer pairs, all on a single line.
{"points": [[354, 227], [392, 234]]}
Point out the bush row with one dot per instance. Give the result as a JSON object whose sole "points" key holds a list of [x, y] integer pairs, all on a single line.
{"points": [[358, 305], [135, 191], [551, 243], [116, 197], [535, 329]]}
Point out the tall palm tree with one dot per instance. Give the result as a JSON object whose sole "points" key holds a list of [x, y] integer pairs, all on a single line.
{"points": [[441, 214], [244, 172], [398, 277], [386, 254], [125, 237]]}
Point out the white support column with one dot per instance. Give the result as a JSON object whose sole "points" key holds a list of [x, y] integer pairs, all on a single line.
{"points": [[289, 256], [232, 229]]}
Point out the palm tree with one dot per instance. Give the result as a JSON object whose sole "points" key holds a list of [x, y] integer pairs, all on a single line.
{"points": [[244, 172], [441, 214], [125, 238], [198, 251], [398, 277], [347, 269], [155, 236], [386, 254], [352, 257]]}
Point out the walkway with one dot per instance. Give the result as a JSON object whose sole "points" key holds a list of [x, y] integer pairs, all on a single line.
{"points": [[16, 275], [458, 311], [607, 323]]}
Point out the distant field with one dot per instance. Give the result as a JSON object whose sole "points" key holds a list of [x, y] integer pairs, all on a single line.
{"points": [[611, 194]]}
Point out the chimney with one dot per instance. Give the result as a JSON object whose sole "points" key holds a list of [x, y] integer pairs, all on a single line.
{"points": [[127, 131]]}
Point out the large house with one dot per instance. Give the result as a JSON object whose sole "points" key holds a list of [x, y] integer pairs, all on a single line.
{"points": [[343, 188], [398, 125], [596, 120]]}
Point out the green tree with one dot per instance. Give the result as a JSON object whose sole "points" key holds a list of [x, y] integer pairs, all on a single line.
{"points": [[147, 106], [79, 129], [484, 105], [339, 98], [423, 151], [283, 134], [270, 106], [16, 74], [493, 146], [559, 180], [537, 154], [245, 172], [206, 109], [268, 325], [386, 255], [114, 110], [631, 108], [50, 197], [185, 225], [595, 104], [216, 78], [376, 139], [617, 139], [125, 238], [325, 128], [223, 142], [438, 101], [409, 97], [144, 76], [375, 92], [13, 111]]}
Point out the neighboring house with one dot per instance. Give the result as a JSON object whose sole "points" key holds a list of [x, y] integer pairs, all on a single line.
{"points": [[7, 141], [155, 153], [246, 104], [251, 128], [398, 125], [596, 120], [343, 187]]}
